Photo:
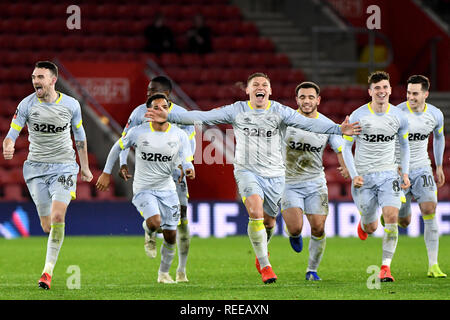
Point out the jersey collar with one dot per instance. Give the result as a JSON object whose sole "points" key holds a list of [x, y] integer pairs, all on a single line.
{"points": [[316, 117], [267, 108], [153, 130], [410, 110], [57, 100], [373, 112]]}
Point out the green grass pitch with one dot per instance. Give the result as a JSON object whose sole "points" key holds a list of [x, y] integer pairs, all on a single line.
{"points": [[116, 268]]}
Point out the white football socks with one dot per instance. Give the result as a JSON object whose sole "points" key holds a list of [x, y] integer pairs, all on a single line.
{"points": [[167, 254], [183, 242], [54, 243], [431, 237], [316, 250], [258, 237], [390, 239]]}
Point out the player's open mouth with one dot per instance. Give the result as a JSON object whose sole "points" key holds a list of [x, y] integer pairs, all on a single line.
{"points": [[260, 95], [39, 90]]}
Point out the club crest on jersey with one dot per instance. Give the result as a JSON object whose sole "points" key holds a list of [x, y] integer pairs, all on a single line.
{"points": [[172, 144]]}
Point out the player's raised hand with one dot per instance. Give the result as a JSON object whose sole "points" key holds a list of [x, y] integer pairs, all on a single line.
{"points": [[123, 172], [358, 182], [406, 183], [158, 115], [103, 182], [350, 129], [8, 149]]}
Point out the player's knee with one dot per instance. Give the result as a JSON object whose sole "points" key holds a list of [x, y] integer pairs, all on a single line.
{"points": [[427, 209], [154, 222], [170, 236], [317, 231], [404, 222], [371, 227], [294, 230], [269, 223], [58, 217]]}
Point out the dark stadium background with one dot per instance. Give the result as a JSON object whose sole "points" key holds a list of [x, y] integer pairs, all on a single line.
{"points": [[104, 65]]}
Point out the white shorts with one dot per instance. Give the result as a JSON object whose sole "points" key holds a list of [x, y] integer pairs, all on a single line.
{"points": [[163, 203], [48, 182], [310, 196], [423, 189], [269, 189], [380, 189]]}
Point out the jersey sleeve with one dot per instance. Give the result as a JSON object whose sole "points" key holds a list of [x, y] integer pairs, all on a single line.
{"points": [[295, 119], [347, 153], [438, 138], [77, 123], [403, 143], [223, 115], [185, 154], [336, 143], [121, 144], [133, 121], [19, 120]]}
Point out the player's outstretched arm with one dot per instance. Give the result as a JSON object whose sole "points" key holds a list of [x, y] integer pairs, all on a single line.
{"points": [[104, 180], [294, 119], [223, 115], [350, 129]]}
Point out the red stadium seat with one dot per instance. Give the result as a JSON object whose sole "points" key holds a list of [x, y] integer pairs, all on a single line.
{"points": [[13, 175], [331, 92], [216, 59], [223, 28], [170, 60], [84, 192], [209, 75], [334, 191], [13, 192], [191, 60], [107, 195], [444, 192], [355, 93]]}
